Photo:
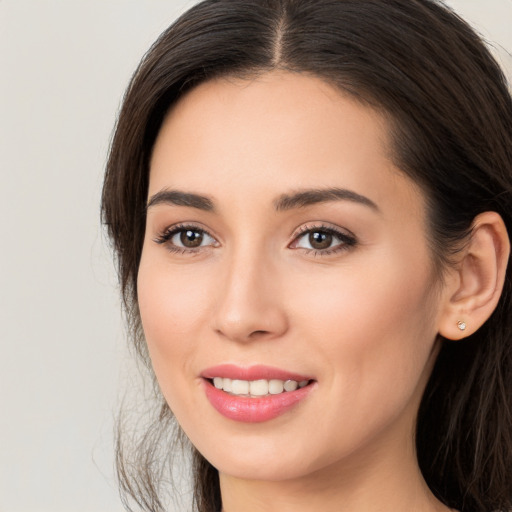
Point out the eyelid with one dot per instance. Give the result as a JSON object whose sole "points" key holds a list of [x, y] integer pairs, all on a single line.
{"points": [[165, 236], [346, 237]]}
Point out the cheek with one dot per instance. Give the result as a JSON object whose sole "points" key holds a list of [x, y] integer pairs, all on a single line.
{"points": [[375, 324], [368, 299], [171, 304]]}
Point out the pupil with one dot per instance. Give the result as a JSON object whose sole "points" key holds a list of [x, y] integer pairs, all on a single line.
{"points": [[191, 238], [320, 240]]}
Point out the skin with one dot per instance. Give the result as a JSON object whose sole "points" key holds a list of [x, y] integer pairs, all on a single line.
{"points": [[362, 319]]}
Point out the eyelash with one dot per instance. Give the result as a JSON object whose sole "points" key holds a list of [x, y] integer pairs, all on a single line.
{"points": [[347, 240], [168, 234]]}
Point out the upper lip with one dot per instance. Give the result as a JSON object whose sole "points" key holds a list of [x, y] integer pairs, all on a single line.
{"points": [[250, 373]]}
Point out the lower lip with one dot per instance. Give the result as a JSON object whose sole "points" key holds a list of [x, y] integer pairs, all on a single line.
{"points": [[254, 410]]}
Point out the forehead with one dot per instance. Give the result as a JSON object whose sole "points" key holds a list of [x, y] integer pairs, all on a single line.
{"points": [[275, 131], [284, 100]]}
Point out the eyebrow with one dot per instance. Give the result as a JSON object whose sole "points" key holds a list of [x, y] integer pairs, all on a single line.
{"points": [[284, 202], [177, 198], [305, 198]]}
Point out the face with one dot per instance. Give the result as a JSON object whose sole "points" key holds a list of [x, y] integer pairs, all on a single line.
{"points": [[286, 288]]}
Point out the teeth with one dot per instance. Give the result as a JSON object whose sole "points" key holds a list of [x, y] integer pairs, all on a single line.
{"points": [[240, 387], [257, 388], [227, 384], [275, 387], [291, 385]]}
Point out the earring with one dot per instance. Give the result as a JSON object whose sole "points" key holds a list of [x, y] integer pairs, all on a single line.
{"points": [[461, 325]]}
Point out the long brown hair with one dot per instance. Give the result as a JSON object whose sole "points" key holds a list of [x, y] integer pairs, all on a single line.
{"points": [[451, 116]]}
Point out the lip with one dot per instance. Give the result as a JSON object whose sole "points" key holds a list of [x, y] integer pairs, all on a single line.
{"points": [[255, 372], [253, 410]]}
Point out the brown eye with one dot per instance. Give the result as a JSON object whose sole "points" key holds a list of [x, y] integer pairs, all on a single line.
{"points": [[324, 240], [186, 237], [320, 240], [190, 238]]}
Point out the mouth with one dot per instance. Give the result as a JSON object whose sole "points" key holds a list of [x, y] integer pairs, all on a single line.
{"points": [[254, 394], [257, 388]]}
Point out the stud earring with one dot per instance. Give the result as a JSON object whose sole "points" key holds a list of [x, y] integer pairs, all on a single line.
{"points": [[461, 325]]}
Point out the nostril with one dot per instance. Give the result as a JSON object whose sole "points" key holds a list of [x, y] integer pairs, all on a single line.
{"points": [[257, 334]]}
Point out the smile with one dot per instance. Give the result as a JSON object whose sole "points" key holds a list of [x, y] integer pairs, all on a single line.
{"points": [[255, 394], [257, 388]]}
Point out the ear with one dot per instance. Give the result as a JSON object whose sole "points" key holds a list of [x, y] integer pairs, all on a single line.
{"points": [[475, 285]]}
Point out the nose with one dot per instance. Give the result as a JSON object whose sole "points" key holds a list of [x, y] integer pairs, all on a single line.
{"points": [[249, 305]]}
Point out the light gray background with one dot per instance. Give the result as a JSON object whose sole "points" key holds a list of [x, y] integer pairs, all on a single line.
{"points": [[63, 67]]}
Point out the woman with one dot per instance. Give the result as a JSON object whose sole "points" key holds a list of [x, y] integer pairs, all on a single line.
{"points": [[310, 201]]}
